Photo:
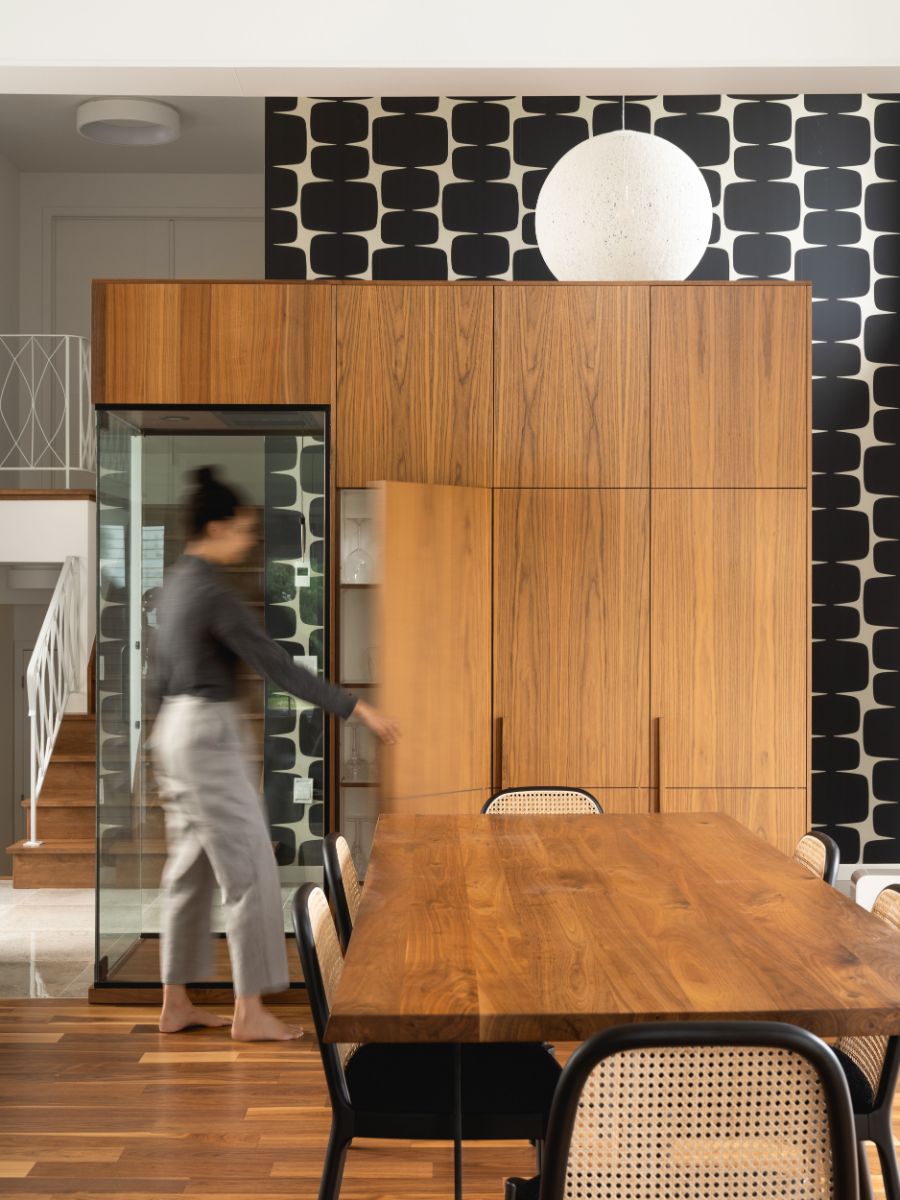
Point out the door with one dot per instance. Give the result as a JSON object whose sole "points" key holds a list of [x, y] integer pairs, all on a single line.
{"points": [[434, 639], [729, 637], [571, 395], [730, 385], [414, 383], [571, 614]]}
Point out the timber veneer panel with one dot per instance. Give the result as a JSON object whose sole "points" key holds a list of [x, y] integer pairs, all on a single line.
{"points": [[571, 637], [434, 638], [571, 394], [197, 343], [729, 627], [729, 385], [414, 383], [271, 343], [779, 815], [150, 342]]}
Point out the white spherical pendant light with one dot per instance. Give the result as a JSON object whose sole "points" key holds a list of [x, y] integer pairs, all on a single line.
{"points": [[624, 205]]}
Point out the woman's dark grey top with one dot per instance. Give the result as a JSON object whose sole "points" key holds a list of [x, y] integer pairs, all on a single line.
{"points": [[204, 629]]}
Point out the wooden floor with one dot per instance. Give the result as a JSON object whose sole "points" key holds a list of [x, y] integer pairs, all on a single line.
{"points": [[94, 1102]]}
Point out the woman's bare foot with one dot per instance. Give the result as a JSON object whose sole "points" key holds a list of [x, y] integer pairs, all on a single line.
{"points": [[254, 1023], [172, 1022], [178, 1012]]}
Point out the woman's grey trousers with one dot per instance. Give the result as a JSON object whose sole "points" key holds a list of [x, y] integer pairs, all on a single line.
{"points": [[217, 836]]}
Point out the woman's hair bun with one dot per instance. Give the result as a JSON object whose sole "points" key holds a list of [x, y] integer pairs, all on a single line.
{"points": [[204, 476]]}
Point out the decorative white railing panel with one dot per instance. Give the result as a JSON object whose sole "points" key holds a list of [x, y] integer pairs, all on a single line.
{"points": [[53, 672], [46, 423]]}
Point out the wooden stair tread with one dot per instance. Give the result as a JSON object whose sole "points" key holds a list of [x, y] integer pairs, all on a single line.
{"points": [[69, 800], [86, 757], [55, 846]]}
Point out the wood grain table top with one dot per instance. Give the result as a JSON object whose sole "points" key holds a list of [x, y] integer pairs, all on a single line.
{"points": [[520, 928]]}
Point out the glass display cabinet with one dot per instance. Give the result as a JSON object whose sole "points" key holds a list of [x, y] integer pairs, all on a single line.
{"points": [[278, 459]]}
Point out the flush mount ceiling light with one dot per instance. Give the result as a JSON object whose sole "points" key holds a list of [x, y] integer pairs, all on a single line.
{"points": [[624, 205], [127, 122]]}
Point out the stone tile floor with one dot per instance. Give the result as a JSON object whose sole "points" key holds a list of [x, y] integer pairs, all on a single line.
{"points": [[47, 936]]}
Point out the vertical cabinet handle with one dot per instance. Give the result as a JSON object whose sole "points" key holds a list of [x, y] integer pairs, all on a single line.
{"points": [[659, 765], [498, 754]]}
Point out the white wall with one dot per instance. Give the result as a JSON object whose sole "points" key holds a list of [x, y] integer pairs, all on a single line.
{"points": [[73, 226], [49, 531], [9, 247]]}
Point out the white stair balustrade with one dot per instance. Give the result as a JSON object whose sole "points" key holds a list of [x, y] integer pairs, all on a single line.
{"points": [[46, 422], [54, 671]]}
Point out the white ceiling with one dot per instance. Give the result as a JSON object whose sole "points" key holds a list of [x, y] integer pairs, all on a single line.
{"points": [[219, 135]]}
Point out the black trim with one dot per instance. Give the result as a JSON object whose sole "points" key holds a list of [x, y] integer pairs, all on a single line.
{"points": [[832, 855], [538, 788], [334, 886], [714, 1033]]}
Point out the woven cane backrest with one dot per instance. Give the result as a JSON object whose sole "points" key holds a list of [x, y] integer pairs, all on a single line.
{"points": [[542, 801], [328, 953], [810, 853], [349, 877], [704, 1122], [869, 1052]]}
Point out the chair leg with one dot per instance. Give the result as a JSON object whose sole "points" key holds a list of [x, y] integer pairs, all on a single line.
{"points": [[333, 1167], [890, 1173], [865, 1179]]}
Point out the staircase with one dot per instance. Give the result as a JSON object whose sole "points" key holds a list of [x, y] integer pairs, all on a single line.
{"points": [[66, 856]]}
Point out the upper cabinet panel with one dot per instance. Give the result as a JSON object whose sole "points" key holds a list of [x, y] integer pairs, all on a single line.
{"points": [[213, 343], [730, 385], [571, 386], [271, 343], [414, 384]]}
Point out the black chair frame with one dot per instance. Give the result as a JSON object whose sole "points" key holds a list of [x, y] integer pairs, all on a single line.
{"points": [[874, 1125], [349, 1122], [832, 855], [334, 887], [770, 1034], [537, 788]]}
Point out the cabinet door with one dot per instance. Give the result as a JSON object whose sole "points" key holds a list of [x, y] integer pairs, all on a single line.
{"points": [[730, 385], [213, 343], [570, 637], [150, 343], [729, 635], [271, 343], [434, 623], [414, 383], [779, 815], [571, 396]]}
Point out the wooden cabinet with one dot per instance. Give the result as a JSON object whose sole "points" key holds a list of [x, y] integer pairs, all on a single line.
{"points": [[168, 343], [778, 815], [730, 376], [414, 384], [730, 637], [434, 639], [571, 642], [571, 386]]}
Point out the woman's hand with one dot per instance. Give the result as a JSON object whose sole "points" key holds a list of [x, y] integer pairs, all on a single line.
{"points": [[385, 728]]}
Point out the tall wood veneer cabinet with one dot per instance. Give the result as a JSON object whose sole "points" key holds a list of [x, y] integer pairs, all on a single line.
{"points": [[633, 459]]}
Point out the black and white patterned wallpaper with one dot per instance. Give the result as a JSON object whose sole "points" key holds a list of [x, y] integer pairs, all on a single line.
{"points": [[803, 187]]}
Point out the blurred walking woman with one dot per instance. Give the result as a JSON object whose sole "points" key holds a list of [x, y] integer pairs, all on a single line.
{"points": [[216, 831]]}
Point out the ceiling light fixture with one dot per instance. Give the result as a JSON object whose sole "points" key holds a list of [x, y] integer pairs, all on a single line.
{"points": [[624, 205], [128, 122]]}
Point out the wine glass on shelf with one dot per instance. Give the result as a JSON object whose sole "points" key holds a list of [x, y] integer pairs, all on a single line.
{"points": [[356, 767], [357, 566]]}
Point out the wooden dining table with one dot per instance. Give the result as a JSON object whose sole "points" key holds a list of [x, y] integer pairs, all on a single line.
{"points": [[531, 928]]}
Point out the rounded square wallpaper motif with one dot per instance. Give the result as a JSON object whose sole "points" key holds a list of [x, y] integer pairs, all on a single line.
{"points": [[803, 187]]}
